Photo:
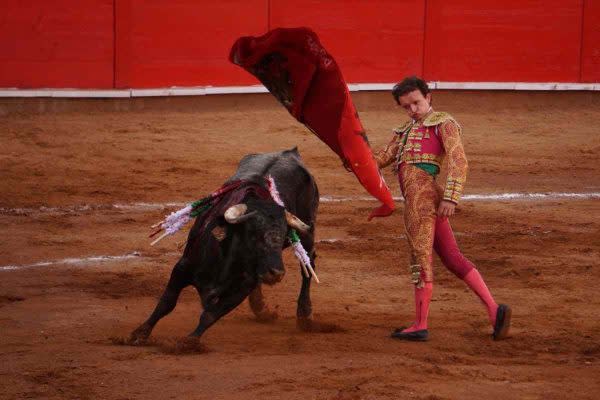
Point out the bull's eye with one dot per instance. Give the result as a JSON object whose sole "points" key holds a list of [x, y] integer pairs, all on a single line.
{"points": [[274, 239]]}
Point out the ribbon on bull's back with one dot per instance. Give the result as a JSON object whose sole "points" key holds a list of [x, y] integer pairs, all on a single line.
{"points": [[302, 75]]}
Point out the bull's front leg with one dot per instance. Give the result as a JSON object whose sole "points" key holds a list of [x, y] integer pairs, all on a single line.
{"points": [[180, 278], [258, 306], [304, 317], [229, 299], [304, 310]]}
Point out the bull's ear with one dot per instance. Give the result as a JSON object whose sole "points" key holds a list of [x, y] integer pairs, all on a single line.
{"points": [[237, 214], [295, 222]]}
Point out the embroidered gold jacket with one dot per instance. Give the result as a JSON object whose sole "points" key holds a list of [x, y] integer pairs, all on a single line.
{"points": [[428, 141]]}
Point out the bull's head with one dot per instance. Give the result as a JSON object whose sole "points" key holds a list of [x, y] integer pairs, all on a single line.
{"points": [[265, 226]]}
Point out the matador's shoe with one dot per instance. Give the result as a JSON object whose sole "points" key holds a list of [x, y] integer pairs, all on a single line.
{"points": [[502, 325], [415, 336]]}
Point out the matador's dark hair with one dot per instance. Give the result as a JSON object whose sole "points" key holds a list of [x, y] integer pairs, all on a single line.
{"points": [[408, 85]]}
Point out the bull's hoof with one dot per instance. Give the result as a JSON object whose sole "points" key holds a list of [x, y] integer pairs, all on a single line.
{"points": [[140, 335], [310, 325], [266, 315]]}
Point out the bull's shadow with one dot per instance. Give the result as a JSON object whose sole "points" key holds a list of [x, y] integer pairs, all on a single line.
{"points": [[236, 246]]}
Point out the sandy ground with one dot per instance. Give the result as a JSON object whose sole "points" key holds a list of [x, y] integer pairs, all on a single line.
{"points": [[65, 164]]}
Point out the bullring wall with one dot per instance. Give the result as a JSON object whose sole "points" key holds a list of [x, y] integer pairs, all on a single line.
{"points": [[110, 44]]}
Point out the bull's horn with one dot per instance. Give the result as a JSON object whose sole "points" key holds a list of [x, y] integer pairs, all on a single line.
{"points": [[295, 222], [237, 214]]}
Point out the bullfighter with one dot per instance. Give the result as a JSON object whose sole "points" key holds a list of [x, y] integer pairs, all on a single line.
{"points": [[417, 151]]}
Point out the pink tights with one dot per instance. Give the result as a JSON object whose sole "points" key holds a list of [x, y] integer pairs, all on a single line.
{"points": [[447, 249]]}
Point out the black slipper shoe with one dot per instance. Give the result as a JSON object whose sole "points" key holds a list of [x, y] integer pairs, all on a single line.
{"points": [[502, 325], [416, 336]]}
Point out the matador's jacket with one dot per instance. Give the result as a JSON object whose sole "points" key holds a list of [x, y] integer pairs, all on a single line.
{"points": [[417, 152]]}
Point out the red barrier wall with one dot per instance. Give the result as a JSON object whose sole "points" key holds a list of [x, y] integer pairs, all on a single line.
{"points": [[162, 43], [183, 42], [59, 43], [511, 40], [371, 41], [590, 62]]}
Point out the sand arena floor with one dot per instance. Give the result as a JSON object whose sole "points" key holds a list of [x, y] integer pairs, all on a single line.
{"points": [[86, 178]]}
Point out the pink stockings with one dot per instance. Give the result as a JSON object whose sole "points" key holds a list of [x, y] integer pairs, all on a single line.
{"points": [[474, 280], [445, 246], [422, 300], [447, 249]]}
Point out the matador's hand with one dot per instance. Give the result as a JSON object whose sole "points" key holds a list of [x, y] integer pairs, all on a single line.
{"points": [[446, 208]]}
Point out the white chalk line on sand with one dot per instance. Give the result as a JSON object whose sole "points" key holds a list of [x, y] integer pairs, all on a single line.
{"points": [[103, 259], [138, 254], [74, 261], [483, 197], [78, 209]]}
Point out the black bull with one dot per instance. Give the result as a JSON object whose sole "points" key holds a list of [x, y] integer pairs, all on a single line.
{"points": [[230, 254]]}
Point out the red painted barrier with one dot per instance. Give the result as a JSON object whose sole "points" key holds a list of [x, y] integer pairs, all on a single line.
{"points": [[59, 43], [511, 40], [590, 63], [183, 42], [161, 43]]}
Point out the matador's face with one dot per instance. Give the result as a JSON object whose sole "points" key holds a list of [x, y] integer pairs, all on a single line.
{"points": [[415, 104]]}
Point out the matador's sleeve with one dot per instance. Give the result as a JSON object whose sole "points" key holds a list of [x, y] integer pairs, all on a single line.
{"points": [[457, 160], [387, 155]]}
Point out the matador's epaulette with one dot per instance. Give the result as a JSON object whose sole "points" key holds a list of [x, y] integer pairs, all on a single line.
{"points": [[402, 128], [438, 117]]}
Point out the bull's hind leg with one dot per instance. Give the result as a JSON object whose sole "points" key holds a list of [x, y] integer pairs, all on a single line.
{"points": [[258, 306], [222, 305], [180, 278]]}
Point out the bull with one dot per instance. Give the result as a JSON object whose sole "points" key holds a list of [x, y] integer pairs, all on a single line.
{"points": [[237, 247]]}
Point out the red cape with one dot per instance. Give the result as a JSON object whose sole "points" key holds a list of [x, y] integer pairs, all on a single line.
{"points": [[299, 72]]}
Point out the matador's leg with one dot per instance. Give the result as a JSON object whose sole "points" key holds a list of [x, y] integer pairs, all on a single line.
{"points": [[419, 219], [451, 256], [421, 200]]}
